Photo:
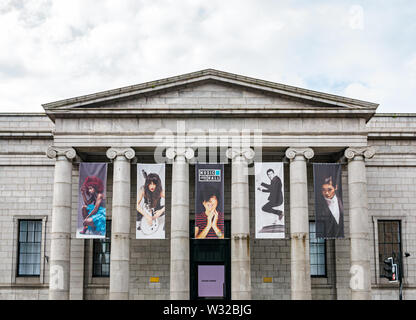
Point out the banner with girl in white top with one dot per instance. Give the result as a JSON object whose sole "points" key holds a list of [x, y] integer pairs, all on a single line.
{"points": [[329, 208], [150, 222]]}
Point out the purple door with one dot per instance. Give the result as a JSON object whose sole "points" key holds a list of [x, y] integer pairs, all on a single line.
{"points": [[211, 281]]}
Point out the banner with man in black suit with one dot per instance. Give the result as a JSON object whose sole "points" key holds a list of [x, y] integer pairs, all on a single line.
{"points": [[329, 208], [270, 222]]}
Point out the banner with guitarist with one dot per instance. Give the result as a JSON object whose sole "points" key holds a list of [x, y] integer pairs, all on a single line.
{"points": [[150, 223], [209, 202]]}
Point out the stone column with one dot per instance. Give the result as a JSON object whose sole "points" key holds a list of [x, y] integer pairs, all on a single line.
{"points": [[299, 224], [179, 242], [240, 224], [120, 225], [61, 223], [360, 282]]}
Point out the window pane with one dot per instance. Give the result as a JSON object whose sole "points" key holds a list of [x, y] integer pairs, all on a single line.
{"points": [[101, 254], [389, 242], [29, 247], [97, 270], [381, 233], [30, 236], [22, 236], [37, 268], [23, 225], [317, 252], [31, 226], [314, 270], [38, 226], [106, 269], [321, 270]]}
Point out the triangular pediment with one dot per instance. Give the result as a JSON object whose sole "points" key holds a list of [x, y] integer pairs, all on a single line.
{"points": [[209, 91]]}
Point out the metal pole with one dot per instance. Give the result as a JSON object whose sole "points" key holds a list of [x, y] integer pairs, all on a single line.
{"points": [[400, 267]]}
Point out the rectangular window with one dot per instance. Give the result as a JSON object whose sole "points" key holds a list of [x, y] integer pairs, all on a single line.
{"points": [[317, 252], [101, 254], [389, 241], [29, 247]]}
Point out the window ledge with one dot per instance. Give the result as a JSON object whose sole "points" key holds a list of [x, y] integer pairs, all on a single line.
{"points": [[98, 286], [392, 286], [25, 286], [322, 286]]}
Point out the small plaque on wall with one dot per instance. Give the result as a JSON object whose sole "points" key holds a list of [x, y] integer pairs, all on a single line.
{"points": [[154, 279], [267, 279]]}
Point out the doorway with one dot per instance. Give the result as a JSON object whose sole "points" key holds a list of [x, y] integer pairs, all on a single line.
{"points": [[210, 266]]}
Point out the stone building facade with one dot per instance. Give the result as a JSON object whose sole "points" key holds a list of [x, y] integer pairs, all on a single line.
{"points": [[208, 110]]}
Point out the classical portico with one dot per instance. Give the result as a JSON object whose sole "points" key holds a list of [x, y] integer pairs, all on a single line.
{"points": [[210, 110]]}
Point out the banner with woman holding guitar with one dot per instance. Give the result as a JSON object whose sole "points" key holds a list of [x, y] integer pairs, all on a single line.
{"points": [[150, 205]]}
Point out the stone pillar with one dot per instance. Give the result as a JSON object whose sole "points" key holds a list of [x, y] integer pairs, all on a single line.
{"points": [[360, 282], [179, 242], [61, 223], [240, 224], [120, 225], [299, 224]]}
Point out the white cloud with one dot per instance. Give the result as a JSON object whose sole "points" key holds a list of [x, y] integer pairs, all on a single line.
{"points": [[51, 50]]}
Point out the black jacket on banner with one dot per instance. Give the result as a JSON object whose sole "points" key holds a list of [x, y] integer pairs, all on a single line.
{"points": [[275, 190], [326, 225]]}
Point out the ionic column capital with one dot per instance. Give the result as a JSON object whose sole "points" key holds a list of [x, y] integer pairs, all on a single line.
{"points": [[363, 152], [128, 153], [234, 153], [187, 153], [54, 152], [307, 153]]}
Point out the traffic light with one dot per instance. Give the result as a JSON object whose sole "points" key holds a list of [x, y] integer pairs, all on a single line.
{"points": [[391, 269]]}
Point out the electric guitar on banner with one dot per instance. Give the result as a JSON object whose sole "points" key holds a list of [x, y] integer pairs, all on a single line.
{"points": [[144, 226]]}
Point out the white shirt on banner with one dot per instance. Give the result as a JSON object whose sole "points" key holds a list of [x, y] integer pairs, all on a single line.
{"points": [[333, 207]]}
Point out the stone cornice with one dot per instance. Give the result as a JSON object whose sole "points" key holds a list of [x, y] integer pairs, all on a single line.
{"points": [[33, 134]]}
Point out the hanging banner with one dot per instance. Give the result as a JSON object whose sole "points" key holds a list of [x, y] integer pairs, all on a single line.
{"points": [[209, 202], [150, 223], [329, 209], [269, 196], [92, 200]]}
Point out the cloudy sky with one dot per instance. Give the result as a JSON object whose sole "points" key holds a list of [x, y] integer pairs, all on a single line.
{"points": [[58, 49]]}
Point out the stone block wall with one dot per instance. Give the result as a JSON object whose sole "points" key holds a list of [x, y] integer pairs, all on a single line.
{"points": [[392, 196], [26, 186]]}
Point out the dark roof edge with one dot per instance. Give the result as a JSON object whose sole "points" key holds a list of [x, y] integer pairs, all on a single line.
{"points": [[391, 114]]}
